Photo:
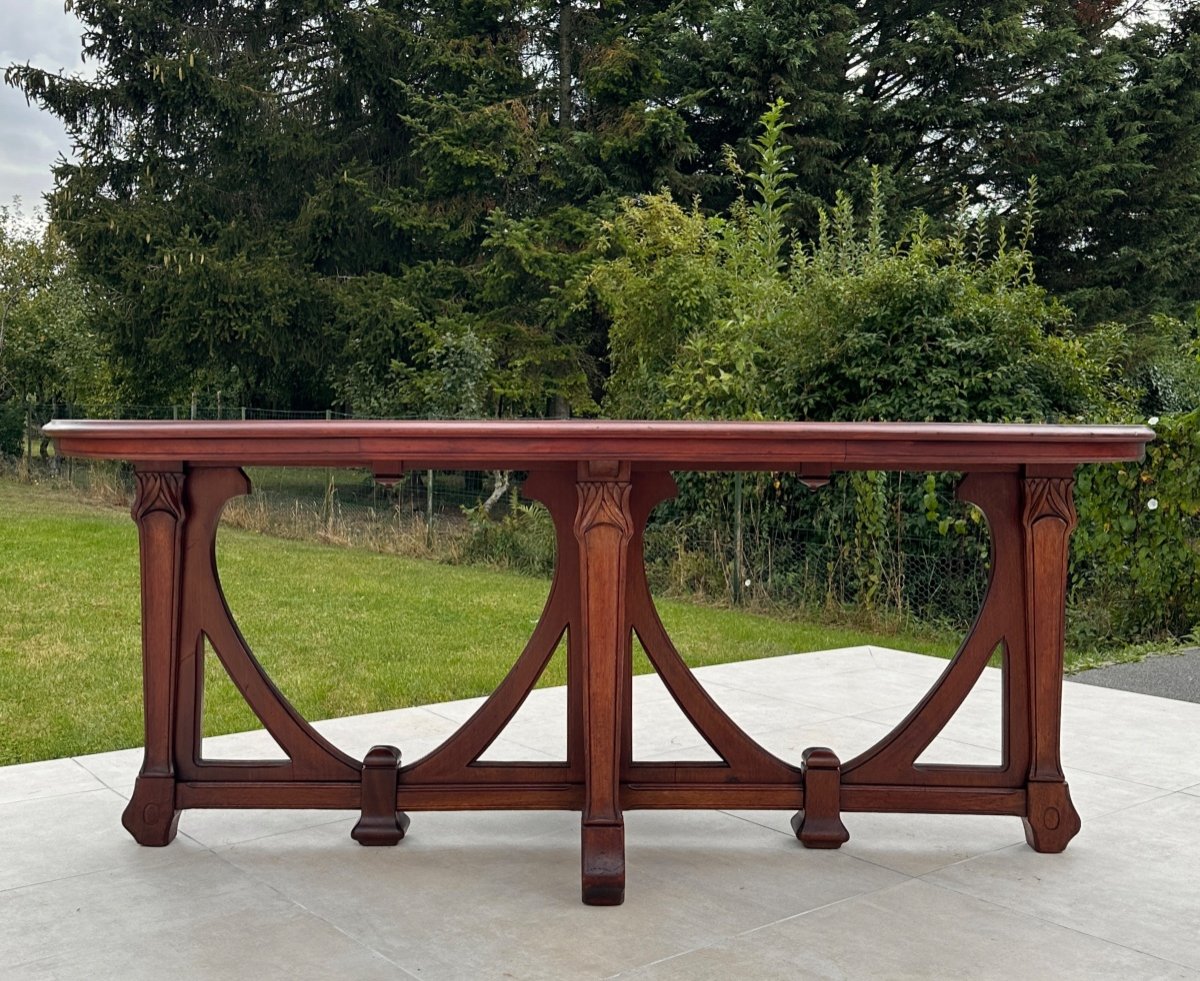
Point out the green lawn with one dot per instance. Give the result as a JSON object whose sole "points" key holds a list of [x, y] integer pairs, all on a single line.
{"points": [[342, 631]]}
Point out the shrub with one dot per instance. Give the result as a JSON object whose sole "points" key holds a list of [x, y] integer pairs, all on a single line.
{"points": [[728, 317], [12, 428], [1136, 552], [523, 539]]}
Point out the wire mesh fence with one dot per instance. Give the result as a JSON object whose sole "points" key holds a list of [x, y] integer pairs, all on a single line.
{"points": [[898, 545]]}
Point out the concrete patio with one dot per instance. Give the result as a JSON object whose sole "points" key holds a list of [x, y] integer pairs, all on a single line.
{"points": [[710, 894]]}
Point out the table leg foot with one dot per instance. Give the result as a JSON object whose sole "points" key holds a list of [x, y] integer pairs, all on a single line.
{"points": [[603, 851], [380, 823], [381, 829], [819, 824], [1050, 819], [151, 816]]}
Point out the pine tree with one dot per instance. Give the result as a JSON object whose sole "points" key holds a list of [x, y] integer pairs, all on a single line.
{"points": [[307, 200], [1094, 102]]}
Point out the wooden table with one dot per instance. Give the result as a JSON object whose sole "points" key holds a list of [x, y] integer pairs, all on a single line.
{"points": [[600, 481]]}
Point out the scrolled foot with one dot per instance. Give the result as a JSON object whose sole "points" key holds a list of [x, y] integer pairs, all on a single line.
{"points": [[603, 860], [1050, 818], [151, 816]]}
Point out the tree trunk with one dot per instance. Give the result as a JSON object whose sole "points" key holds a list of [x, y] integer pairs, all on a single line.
{"points": [[3, 324], [564, 66], [502, 478]]}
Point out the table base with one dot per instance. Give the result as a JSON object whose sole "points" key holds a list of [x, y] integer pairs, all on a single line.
{"points": [[599, 600]]}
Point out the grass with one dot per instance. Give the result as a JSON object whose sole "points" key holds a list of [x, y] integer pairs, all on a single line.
{"points": [[342, 631]]}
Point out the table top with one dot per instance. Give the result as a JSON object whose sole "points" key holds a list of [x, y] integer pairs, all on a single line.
{"points": [[389, 446]]}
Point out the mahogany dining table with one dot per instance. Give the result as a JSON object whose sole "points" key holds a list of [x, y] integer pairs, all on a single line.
{"points": [[600, 480]]}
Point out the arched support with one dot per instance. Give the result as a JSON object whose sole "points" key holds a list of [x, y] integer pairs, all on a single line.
{"points": [[455, 760], [893, 760], [745, 761], [207, 614]]}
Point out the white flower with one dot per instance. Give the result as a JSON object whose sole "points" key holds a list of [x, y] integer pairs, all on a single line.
{"points": [[748, 581], [1152, 504], [1152, 421]]}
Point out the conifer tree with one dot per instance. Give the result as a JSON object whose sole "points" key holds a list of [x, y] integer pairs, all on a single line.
{"points": [[302, 201]]}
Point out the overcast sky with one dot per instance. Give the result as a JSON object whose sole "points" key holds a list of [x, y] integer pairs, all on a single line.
{"points": [[37, 31]]}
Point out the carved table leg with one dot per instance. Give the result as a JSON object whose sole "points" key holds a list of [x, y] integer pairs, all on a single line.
{"points": [[603, 527], [1049, 516], [151, 815]]}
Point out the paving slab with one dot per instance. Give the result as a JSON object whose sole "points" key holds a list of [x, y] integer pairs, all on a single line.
{"points": [[495, 895], [711, 894], [1131, 877], [917, 931], [49, 838], [52, 778], [196, 918]]}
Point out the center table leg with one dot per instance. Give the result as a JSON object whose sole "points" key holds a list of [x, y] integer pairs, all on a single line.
{"points": [[603, 527]]}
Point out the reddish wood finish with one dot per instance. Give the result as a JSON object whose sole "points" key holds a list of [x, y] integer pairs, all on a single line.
{"points": [[603, 528], [152, 815], [393, 447], [600, 481], [819, 824], [381, 823], [1048, 519]]}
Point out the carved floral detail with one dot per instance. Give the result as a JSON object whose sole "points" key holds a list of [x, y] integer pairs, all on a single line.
{"points": [[604, 502], [1049, 497], [158, 491]]}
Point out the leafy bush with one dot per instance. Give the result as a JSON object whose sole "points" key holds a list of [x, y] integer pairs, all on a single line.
{"points": [[12, 428], [729, 317], [523, 539], [1136, 552]]}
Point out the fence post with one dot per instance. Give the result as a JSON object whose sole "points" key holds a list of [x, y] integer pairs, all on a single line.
{"points": [[175, 413], [28, 434], [330, 501], [243, 413], [429, 508], [738, 554], [193, 406]]}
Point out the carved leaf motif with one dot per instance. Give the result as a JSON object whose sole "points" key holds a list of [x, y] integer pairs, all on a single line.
{"points": [[604, 503], [1049, 497], [158, 491]]}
